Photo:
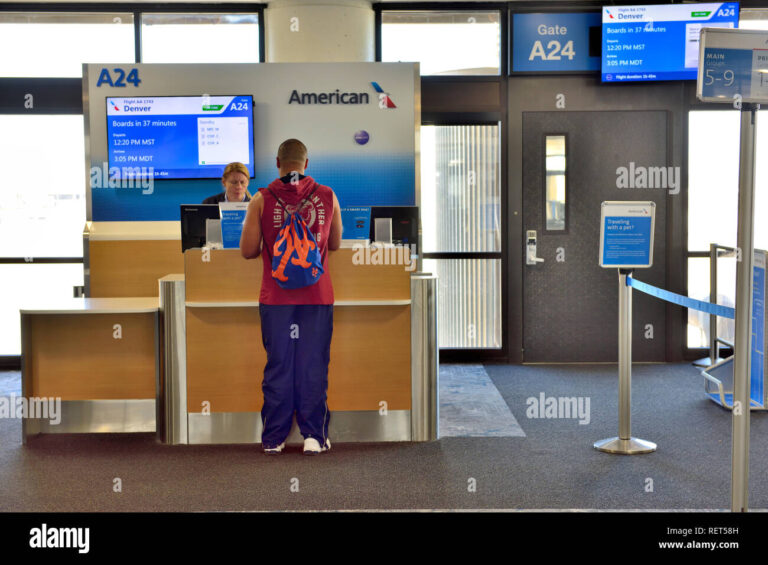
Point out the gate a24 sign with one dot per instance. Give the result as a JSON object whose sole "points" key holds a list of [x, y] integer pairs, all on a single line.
{"points": [[118, 77]]}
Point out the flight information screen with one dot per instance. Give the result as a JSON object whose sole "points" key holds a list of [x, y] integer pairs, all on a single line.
{"points": [[178, 137], [658, 42]]}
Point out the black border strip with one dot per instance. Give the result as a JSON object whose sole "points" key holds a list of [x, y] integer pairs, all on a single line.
{"points": [[491, 118], [50, 95], [170, 8], [462, 255], [10, 362], [137, 45], [40, 260]]}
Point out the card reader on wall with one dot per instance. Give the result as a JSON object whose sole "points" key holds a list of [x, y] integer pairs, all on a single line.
{"points": [[530, 248]]}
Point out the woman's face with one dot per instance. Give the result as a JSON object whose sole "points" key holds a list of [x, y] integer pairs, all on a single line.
{"points": [[235, 184]]}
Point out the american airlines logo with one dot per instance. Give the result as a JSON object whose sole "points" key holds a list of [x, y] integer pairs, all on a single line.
{"points": [[339, 97], [335, 97], [384, 100]]}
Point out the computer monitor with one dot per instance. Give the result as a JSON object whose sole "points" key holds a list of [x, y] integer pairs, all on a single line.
{"points": [[193, 217], [178, 137], [405, 223]]}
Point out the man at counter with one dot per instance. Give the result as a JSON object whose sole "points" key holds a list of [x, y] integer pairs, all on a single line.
{"points": [[296, 324], [235, 181]]}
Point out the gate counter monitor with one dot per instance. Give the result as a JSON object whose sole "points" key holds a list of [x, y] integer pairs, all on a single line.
{"points": [[661, 42], [178, 137], [193, 217], [405, 224]]}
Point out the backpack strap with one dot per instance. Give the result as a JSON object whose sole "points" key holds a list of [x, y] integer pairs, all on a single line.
{"points": [[277, 198], [314, 188]]}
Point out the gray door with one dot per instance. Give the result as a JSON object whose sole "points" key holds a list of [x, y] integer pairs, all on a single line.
{"points": [[570, 303]]}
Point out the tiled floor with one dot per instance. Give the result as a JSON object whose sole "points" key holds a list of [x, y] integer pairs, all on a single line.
{"points": [[10, 383], [471, 406]]}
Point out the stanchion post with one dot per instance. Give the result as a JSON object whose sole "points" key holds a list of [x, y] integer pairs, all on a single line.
{"points": [[743, 322], [425, 358], [625, 355], [171, 401], [625, 443], [714, 354]]}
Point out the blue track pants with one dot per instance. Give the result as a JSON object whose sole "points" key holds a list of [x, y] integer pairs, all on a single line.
{"points": [[297, 339]]}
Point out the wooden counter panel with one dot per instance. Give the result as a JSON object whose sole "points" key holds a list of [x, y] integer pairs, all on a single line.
{"points": [[367, 282], [76, 357], [225, 359], [227, 277], [132, 268], [370, 359]]}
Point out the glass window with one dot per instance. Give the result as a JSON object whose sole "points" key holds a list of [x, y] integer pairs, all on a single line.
{"points": [[713, 192], [29, 286], [753, 18], [445, 43], [554, 189], [57, 44], [42, 186], [200, 38], [460, 188], [698, 288], [713, 179], [469, 302]]}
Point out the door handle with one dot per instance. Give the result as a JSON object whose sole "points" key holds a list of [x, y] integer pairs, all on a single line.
{"points": [[530, 248]]}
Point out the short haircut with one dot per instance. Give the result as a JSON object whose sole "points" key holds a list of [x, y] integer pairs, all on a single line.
{"points": [[292, 151], [235, 168]]}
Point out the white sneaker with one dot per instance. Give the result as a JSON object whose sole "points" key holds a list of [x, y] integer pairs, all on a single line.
{"points": [[312, 446], [274, 450]]}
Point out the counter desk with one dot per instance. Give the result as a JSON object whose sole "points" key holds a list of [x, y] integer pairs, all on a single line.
{"points": [[100, 357], [369, 391], [188, 363]]}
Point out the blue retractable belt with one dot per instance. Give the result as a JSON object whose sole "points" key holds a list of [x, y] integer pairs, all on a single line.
{"points": [[684, 301]]}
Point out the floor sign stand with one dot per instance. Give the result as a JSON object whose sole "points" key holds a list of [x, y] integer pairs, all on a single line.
{"points": [[626, 242]]}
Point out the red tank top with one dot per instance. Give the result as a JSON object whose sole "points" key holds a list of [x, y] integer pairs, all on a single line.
{"points": [[317, 212]]}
